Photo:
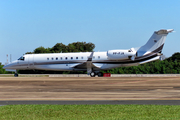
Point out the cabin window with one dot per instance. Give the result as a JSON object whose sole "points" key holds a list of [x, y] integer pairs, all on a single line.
{"points": [[93, 57], [66, 58], [56, 58], [52, 58], [122, 53], [81, 57], [76, 57], [21, 58], [71, 58], [98, 57], [61, 58], [47, 58]]}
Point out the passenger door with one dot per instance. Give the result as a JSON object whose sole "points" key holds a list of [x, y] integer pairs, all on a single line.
{"points": [[30, 61]]}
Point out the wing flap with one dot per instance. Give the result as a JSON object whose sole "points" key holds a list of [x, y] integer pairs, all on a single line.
{"points": [[74, 65], [97, 65]]}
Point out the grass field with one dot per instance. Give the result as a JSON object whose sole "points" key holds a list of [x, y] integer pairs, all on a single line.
{"points": [[89, 112]]}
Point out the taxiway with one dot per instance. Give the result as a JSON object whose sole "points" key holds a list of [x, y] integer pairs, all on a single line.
{"points": [[90, 90]]}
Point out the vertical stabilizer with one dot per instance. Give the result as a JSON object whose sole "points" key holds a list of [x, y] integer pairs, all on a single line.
{"points": [[155, 43]]}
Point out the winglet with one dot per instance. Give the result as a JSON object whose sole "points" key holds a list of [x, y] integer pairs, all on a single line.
{"points": [[90, 57], [89, 63]]}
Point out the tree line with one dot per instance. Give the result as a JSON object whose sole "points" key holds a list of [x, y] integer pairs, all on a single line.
{"points": [[170, 65], [2, 71], [61, 48]]}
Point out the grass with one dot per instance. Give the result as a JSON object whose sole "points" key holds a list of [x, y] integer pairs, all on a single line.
{"points": [[6, 75], [89, 112]]}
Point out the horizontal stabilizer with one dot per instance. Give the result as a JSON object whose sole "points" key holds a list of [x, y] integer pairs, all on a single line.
{"points": [[150, 60], [163, 31]]}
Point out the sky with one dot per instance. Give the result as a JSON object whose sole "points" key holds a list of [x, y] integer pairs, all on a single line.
{"points": [[109, 24]]}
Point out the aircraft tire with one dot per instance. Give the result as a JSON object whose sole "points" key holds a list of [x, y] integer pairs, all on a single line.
{"points": [[15, 75], [100, 74], [92, 74]]}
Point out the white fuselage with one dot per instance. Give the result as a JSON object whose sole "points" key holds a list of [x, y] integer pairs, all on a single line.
{"points": [[94, 61], [69, 61]]}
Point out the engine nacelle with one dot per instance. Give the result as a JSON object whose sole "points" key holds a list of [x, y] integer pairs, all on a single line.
{"points": [[121, 54]]}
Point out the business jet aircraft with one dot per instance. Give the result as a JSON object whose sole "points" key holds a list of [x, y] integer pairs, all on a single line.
{"points": [[93, 62]]}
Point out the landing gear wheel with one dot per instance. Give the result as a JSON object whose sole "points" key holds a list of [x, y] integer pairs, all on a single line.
{"points": [[15, 75], [92, 74], [100, 74]]}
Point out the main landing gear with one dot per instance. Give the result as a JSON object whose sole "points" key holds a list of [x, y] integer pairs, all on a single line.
{"points": [[99, 74], [16, 74]]}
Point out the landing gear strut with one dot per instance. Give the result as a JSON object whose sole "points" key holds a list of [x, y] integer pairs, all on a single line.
{"points": [[16, 74]]}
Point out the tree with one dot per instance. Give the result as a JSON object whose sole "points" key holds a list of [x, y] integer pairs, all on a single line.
{"points": [[58, 48], [41, 50], [72, 47], [3, 71]]}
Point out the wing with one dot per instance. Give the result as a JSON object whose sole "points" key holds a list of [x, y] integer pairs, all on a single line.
{"points": [[87, 65]]}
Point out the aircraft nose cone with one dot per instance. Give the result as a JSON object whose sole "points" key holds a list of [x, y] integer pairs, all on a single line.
{"points": [[4, 67], [10, 65], [7, 66]]}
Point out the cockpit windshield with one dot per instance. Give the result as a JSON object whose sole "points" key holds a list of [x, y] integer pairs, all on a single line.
{"points": [[21, 58]]}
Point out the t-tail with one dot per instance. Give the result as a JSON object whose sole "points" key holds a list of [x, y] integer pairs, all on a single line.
{"points": [[153, 48]]}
